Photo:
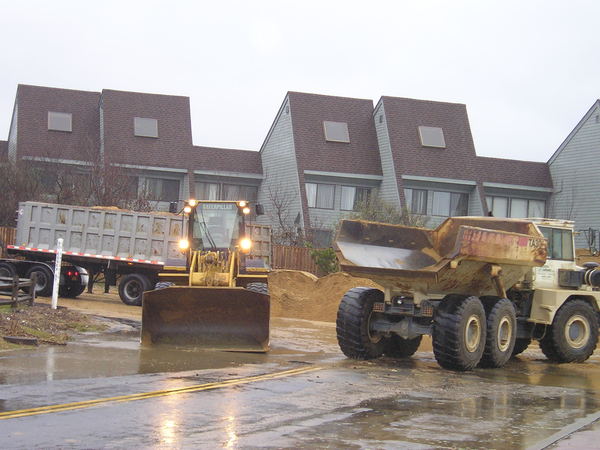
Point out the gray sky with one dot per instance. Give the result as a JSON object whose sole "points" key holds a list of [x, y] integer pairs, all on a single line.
{"points": [[527, 70]]}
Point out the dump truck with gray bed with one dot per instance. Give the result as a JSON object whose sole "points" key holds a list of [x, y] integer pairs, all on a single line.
{"points": [[482, 287]]}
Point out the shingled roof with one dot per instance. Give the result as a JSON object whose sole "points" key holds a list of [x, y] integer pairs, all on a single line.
{"points": [[225, 160], [34, 138], [3, 151], [313, 152], [511, 171]]}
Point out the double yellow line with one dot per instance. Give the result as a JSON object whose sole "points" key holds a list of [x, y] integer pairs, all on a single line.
{"points": [[152, 394]]}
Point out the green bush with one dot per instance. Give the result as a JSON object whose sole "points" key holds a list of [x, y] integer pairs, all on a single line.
{"points": [[325, 260]]}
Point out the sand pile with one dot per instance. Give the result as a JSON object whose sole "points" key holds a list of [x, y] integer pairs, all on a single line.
{"points": [[301, 295]]}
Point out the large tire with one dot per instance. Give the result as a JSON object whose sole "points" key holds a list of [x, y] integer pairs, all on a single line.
{"points": [[132, 287], [7, 270], [573, 335], [72, 290], [459, 333], [163, 284], [521, 345], [261, 288], [501, 332], [398, 347], [352, 325], [45, 279]]}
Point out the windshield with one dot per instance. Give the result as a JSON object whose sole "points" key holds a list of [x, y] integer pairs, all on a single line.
{"points": [[215, 225]]}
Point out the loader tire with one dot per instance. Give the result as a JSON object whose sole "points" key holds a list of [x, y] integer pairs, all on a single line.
{"points": [[261, 288], [132, 287], [354, 336], [398, 347], [521, 345], [501, 332], [44, 281], [573, 335], [459, 333], [163, 285]]}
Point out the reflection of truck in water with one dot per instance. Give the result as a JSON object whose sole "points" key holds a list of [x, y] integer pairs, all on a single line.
{"points": [[482, 287]]}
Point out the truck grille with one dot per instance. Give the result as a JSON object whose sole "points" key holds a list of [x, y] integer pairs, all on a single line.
{"points": [[379, 307]]}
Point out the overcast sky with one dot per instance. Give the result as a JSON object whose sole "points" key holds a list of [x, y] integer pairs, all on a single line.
{"points": [[527, 70]]}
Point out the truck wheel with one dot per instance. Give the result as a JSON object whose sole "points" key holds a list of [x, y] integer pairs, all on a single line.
{"points": [[398, 347], [459, 333], [45, 279], [261, 288], [355, 338], [573, 335], [521, 345], [501, 332], [132, 287], [7, 270], [163, 285], [72, 291]]}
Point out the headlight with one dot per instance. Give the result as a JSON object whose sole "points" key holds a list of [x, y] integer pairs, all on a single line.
{"points": [[192, 202], [184, 244], [246, 210], [245, 244], [243, 204], [187, 209]]}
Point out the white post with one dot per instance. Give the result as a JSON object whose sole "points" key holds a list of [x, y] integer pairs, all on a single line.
{"points": [[57, 263]]}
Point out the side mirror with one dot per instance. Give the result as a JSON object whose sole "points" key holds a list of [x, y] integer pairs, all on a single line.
{"points": [[259, 209]]}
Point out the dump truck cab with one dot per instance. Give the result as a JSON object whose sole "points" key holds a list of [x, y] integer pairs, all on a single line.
{"points": [[221, 301], [482, 287]]}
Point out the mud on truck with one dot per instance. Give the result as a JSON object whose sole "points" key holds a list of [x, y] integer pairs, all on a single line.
{"points": [[482, 287]]}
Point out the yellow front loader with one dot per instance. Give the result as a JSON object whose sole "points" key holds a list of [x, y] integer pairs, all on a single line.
{"points": [[221, 301]]}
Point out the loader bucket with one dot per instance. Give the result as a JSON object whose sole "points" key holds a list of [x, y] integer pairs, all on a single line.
{"points": [[219, 318]]}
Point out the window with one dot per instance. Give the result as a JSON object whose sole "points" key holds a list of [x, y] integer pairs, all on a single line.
{"points": [[432, 137], [336, 131], [518, 208], [239, 192], [207, 191], [352, 197], [449, 204], [60, 121], [560, 243], [320, 195], [416, 200], [161, 189], [145, 127]]}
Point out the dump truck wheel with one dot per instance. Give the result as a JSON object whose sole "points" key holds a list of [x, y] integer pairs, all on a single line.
{"points": [[521, 345], [72, 291], [573, 335], [354, 315], [459, 330], [261, 288], [501, 329], [132, 287], [398, 347], [44, 281], [163, 284], [7, 270]]}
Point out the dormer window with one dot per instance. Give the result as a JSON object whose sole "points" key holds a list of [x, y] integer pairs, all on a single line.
{"points": [[336, 131], [58, 121], [145, 127], [432, 137]]}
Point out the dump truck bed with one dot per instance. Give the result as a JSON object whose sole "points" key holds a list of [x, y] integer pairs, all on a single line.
{"points": [[454, 258]]}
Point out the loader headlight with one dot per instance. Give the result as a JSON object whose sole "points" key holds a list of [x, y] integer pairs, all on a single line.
{"points": [[187, 209], [192, 202], [243, 204], [246, 210], [245, 244], [184, 244]]}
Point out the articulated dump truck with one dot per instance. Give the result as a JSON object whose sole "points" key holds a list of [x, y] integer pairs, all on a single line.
{"points": [[482, 287]]}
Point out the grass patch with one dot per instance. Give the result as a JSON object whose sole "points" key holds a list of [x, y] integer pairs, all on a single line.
{"points": [[44, 336]]}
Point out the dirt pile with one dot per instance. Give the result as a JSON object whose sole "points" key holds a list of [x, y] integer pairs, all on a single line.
{"points": [[301, 295]]}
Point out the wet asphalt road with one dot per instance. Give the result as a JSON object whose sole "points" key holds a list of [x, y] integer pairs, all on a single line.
{"points": [[341, 403]]}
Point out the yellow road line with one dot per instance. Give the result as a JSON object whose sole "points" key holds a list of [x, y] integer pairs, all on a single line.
{"points": [[152, 394]]}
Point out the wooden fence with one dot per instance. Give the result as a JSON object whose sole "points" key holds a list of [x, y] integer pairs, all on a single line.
{"points": [[295, 258], [7, 236]]}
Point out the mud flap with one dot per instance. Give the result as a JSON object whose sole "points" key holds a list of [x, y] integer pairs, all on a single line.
{"points": [[220, 318]]}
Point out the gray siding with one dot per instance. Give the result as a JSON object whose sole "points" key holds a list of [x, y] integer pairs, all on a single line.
{"points": [[574, 173], [475, 206], [12, 135], [389, 186], [280, 171]]}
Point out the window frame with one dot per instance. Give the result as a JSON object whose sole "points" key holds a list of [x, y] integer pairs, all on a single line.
{"points": [[317, 196], [160, 198], [137, 124], [424, 129], [331, 139], [551, 239], [509, 200], [62, 115], [409, 204]]}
